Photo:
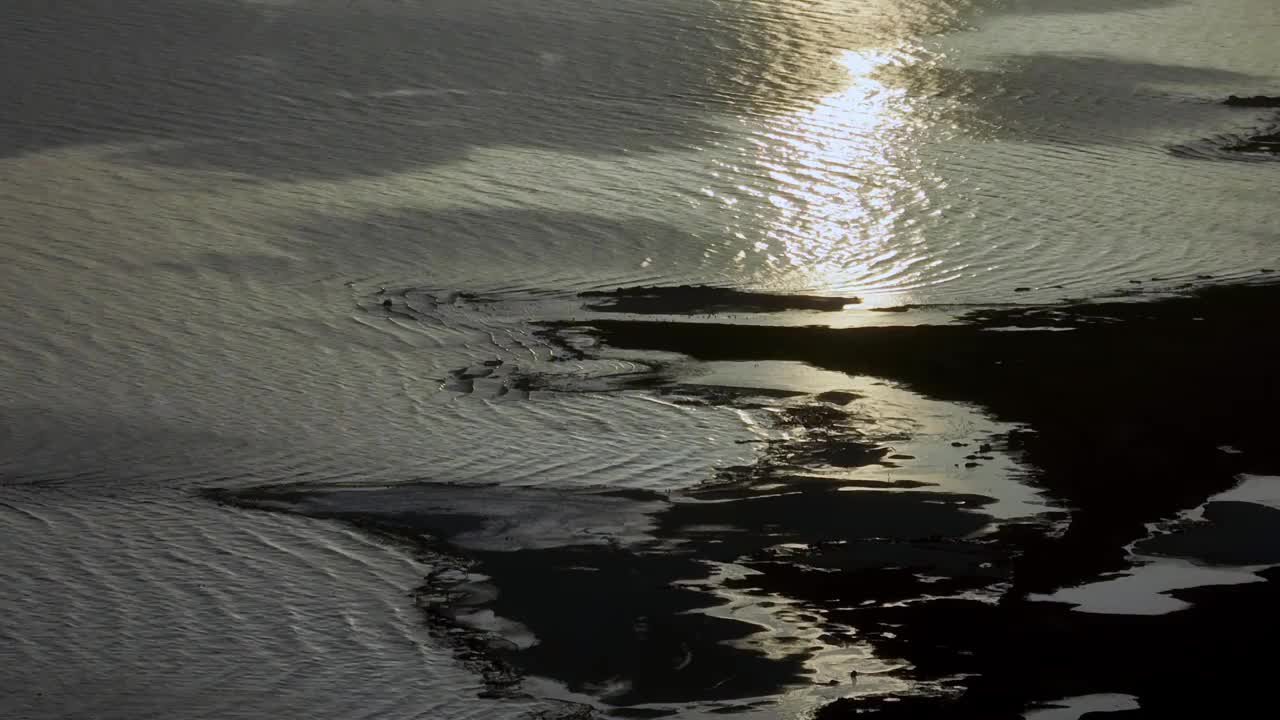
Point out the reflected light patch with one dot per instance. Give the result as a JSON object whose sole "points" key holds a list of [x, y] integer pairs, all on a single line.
{"points": [[842, 187]]}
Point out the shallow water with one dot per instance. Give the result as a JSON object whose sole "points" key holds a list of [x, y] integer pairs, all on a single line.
{"points": [[201, 200]]}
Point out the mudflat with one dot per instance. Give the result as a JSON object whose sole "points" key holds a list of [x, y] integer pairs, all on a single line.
{"points": [[1133, 419]]}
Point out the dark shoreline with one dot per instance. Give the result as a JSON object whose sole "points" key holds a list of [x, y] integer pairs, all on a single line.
{"points": [[1152, 389], [1133, 412], [706, 299]]}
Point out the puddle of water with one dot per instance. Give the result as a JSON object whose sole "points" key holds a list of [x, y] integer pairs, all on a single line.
{"points": [[1076, 707], [1143, 589]]}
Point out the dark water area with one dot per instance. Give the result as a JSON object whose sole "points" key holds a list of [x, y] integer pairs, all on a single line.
{"points": [[691, 358], [1144, 417]]}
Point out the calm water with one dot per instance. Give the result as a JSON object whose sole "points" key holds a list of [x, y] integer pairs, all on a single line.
{"points": [[199, 199]]}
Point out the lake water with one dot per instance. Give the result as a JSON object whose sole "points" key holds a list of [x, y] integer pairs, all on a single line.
{"points": [[201, 200]]}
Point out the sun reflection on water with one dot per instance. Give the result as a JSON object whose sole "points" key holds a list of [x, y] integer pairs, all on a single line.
{"points": [[840, 186]]}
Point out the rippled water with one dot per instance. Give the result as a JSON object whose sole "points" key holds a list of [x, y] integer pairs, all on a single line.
{"points": [[200, 200]]}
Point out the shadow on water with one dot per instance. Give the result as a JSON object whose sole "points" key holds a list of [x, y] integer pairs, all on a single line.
{"points": [[332, 90], [1082, 99], [83, 447], [538, 241]]}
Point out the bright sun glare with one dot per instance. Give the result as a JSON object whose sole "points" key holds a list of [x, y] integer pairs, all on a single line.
{"points": [[841, 185]]}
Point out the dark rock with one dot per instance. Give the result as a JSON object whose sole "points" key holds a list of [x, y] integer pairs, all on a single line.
{"points": [[705, 299], [1253, 101], [838, 397]]}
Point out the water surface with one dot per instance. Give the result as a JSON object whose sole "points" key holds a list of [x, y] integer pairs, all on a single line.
{"points": [[204, 204]]}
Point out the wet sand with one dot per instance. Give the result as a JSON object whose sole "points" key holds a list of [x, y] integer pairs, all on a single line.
{"points": [[1130, 414]]}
